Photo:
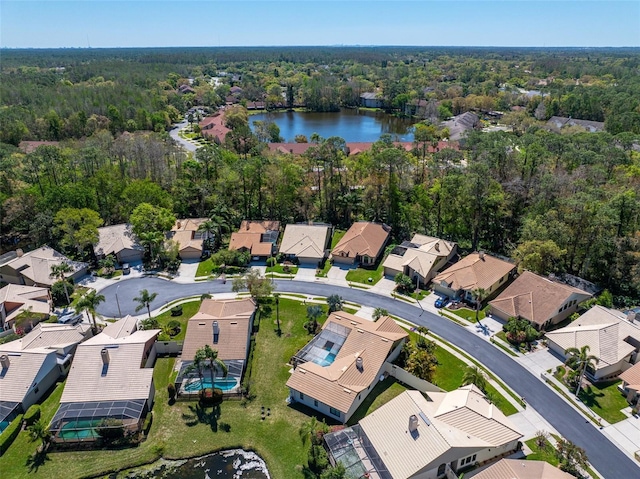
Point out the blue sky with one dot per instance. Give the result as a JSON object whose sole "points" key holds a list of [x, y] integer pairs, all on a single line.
{"points": [[142, 23]]}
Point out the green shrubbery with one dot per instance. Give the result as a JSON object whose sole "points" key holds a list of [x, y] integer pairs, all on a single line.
{"points": [[9, 434], [32, 415], [210, 397], [58, 295], [173, 328]]}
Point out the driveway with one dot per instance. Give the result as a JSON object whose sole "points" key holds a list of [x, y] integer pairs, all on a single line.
{"points": [[181, 141], [608, 459]]}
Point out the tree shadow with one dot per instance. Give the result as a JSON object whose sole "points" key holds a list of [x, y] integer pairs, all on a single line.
{"points": [[37, 459], [589, 397], [204, 415]]}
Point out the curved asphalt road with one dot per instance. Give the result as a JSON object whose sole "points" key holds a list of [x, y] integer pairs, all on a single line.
{"points": [[604, 455]]}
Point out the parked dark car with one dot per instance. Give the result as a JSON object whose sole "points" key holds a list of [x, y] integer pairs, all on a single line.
{"points": [[126, 269], [442, 301]]}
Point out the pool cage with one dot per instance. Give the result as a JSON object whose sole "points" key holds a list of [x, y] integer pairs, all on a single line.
{"points": [[188, 384], [327, 343], [8, 412], [352, 449], [80, 422]]}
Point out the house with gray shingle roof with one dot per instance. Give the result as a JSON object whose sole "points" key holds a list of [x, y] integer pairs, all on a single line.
{"points": [[305, 243], [34, 267]]}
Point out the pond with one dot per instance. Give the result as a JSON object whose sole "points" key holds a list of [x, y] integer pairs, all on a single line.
{"points": [[232, 464], [351, 125]]}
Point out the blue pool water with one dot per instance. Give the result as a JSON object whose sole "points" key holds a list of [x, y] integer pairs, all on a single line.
{"points": [[226, 384], [328, 359]]}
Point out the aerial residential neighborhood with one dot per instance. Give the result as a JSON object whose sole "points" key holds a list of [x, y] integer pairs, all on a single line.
{"points": [[320, 240]]}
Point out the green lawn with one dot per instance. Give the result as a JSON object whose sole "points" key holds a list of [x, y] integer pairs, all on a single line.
{"points": [[362, 275], [382, 393], [605, 400], [337, 236], [546, 454], [278, 268], [205, 267], [322, 273], [188, 310], [468, 314]]}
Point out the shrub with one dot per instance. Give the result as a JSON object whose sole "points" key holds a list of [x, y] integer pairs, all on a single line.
{"points": [[57, 292], [32, 415], [173, 327], [271, 261], [171, 390], [176, 310], [147, 423], [110, 429], [210, 397], [404, 284], [149, 323], [9, 434]]}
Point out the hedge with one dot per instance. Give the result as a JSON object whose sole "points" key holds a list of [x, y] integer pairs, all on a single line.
{"points": [[9, 434], [32, 415]]}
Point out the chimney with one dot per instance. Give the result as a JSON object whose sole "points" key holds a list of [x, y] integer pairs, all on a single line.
{"points": [[105, 356], [4, 361], [481, 255], [437, 246], [413, 423], [631, 316], [359, 363], [178, 224], [19, 252], [216, 332]]}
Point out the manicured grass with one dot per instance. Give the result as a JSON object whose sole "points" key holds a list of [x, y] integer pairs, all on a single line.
{"points": [[362, 275], [78, 292], [605, 400], [468, 314], [322, 273], [278, 268], [205, 267], [337, 236], [382, 393], [502, 335], [188, 310], [546, 454]]}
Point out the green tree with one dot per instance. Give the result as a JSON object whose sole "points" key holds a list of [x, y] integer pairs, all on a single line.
{"points": [[78, 227], [580, 360], [519, 330], [404, 284], [260, 288], [60, 271], [335, 303], [214, 363], [39, 431], [145, 299], [197, 366], [479, 295], [379, 313], [572, 458], [421, 363], [474, 375], [89, 302], [314, 313], [152, 241], [542, 257], [146, 218]]}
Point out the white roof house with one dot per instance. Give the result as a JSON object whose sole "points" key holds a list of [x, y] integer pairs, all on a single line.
{"points": [[16, 298], [120, 241], [423, 256], [34, 267], [420, 437], [307, 243], [610, 335]]}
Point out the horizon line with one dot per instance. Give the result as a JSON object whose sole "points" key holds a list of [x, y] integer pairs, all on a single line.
{"points": [[321, 46]]}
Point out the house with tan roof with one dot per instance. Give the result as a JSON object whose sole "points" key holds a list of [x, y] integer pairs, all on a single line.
{"points": [[539, 300], [610, 335], [111, 378], [305, 243], [259, 237], [522, 469], [226, 326], [420, 259], [16, 299], [363, 243], [427, 437], [630, 386], [477, 270], [339, 367], [119, 241], [31, 365], [34, 267], [190, 240]]}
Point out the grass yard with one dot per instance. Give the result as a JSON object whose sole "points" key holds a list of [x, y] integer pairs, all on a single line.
{"points": [[337, 236], [322, 272], [382, 393], [605, 400], [362, 275], [188, 310], [205, 267], [546, 453], [468, 314], [278, 268]]}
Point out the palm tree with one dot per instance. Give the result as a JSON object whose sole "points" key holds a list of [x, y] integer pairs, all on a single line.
{"points": [[211, 355], [209, 228], [277, 298], [145, 299], [335, 303], [39, 431], [309, 430], [474, 375], [313, 313], [379, 313], [580, 360], [89, 302], [60, 271], [479, 295], [197, 365], [151, 240]]}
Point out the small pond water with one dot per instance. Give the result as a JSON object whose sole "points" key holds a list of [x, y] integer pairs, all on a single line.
{"points": [[351, 125], [232, 464]]}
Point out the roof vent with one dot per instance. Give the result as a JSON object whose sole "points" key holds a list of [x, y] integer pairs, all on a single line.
{"points": [[437, 246], [105, 356], [481, 255], [4, 361], [631, 316], [20, 252], [216, 332], [359, 363], [413, 423]]}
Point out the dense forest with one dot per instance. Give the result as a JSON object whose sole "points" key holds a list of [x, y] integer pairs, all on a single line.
{"points": [[555, 203]]}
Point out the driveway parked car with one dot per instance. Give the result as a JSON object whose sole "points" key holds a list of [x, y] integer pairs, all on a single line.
{"points": [[126, 269], [441, 302]]}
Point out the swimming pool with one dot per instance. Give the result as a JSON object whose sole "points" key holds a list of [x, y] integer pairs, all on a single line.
{"points": [[225, 384], [328, 359], [81, 429]]}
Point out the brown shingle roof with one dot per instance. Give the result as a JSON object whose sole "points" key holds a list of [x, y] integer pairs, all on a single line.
{"points": [[535, 298], [249, 237], [363, 238], [473, 272]]}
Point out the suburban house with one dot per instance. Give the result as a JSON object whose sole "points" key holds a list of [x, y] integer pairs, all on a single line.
{"points": [[556, 123], [539, 300], [419, 258], [111, 378], [418, 437], [257, 237], [612, 337], [363, 243], [630, 386], [213, 127], [477, 270], [190, 240], [119, 241], [16, 299], [30, 366], [226, 326], [339, 367], [522, 469], [305, 243], [371, 100], [461, 124], [34, 268]]}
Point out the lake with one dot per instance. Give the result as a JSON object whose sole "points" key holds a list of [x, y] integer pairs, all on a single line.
{"points": [[351, 125]]}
